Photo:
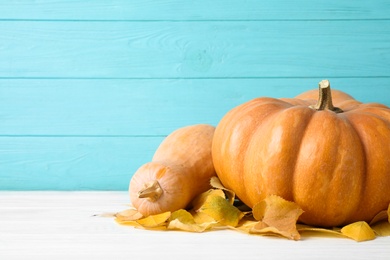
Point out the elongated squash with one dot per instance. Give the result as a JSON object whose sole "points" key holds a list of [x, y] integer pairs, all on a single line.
{"points": [[181, 169]]}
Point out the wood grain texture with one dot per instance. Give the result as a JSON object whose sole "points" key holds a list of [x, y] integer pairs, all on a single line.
{"points": [[149, 107], [45, 49], [61, 225], [198, 10], [88, 89], [72, 163]]}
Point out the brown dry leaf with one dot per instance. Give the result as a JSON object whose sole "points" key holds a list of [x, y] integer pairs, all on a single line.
{"points": [[128, 215], [216, 183], [221, 210], [263, 229], [277, 216], [183, 220], [359, 231], [153, 221]]}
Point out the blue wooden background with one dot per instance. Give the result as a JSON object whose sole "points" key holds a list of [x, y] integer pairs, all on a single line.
{"points": [[88, 89]]}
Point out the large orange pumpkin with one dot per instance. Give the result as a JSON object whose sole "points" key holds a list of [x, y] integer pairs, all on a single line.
{"points": [[333, 162], [337, 96]]}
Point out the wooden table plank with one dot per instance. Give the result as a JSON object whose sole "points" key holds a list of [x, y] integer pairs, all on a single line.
{"points": [[176, 10], [62, 225], [243, 49]]}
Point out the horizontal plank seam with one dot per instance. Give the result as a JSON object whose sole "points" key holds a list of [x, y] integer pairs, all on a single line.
{"points": [[193, 78], [192, 20]]}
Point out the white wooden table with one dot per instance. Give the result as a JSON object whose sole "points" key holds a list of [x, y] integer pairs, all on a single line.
{"points": [[62, 225]]}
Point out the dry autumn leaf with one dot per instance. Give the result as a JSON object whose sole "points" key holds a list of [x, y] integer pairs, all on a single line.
{"points": [[383, 215], [154, 220], [128, 215], [318, 230], [214, 209], [277, 216], [221, 210], [200, 199], [359, 231], [382, 228], [202, 218], [216, 183], [246, 224], [263, 229], [128, 222], [183, 216], [183, 220], [150, 222]]}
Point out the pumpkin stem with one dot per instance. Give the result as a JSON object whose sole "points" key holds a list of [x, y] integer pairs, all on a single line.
{"points": [[325, 98], [152, 191]]}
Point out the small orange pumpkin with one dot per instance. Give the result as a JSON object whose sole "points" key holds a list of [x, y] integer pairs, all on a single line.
{"points": [[332, 161], [181, 169]]}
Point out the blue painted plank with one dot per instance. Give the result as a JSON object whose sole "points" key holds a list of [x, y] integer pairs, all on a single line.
{"points": [[147, 107], [51, 163], [195, 49], [194, 10]]}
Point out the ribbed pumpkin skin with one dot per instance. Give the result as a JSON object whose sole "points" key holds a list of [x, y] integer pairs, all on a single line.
{"points": [[336, 167]]}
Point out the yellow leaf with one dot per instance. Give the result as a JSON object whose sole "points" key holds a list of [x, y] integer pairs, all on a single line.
{"points": [[128, 215], [214, 209], [216, 183], [128, 223], [200, 199], [182, 215], [277, 216], [379, 217], [183, 220], [202, 218], [177, 224], [221, 210], [263, 229], [321, 231], [382, 228], [154, 220], [246, 225], [383, 215], [359, 231]]}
